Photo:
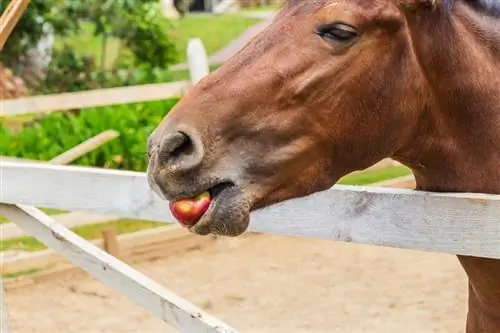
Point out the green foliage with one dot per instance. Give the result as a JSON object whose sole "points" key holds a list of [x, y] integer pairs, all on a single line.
{"points": [[142, 30], [68, 72], [52, 135], [136, 26], [32, 26], [71, 71], [89, 232]]}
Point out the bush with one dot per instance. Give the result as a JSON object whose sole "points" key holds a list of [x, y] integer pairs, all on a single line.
{"points": [[71, 71], [57, 132], [134, 29]]}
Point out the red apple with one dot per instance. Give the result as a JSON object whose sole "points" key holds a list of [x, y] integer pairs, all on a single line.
{"points": [[189, 211]]}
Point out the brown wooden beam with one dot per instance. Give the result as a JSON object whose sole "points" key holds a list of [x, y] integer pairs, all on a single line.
{"points": [[10, 17]]}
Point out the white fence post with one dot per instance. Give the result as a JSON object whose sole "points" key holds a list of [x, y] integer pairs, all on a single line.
{"points": [[4, 322], [197, 60], [168, 9]]}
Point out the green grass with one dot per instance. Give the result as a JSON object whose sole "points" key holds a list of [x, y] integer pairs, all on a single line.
{"points": [[13, 275], [215, 31], [51, 211], [85, 43], [370, 177], [48, 211], [89, 232]]}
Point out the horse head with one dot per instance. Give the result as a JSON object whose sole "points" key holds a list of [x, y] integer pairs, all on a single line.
{"points": [[330, 87]]}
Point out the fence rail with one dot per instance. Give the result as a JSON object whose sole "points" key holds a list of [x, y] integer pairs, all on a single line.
{"points": [[150, 295], [198, 68], [457, 223], [93, 98]]}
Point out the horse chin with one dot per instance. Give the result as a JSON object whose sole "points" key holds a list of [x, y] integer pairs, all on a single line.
{"points": [[228, 214]]}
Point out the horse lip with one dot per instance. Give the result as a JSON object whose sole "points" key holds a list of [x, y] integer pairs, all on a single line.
{"points": [[204, 225]]}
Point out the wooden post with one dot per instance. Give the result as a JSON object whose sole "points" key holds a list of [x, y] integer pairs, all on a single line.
{"points": [[92, 98], [168, 9], [197, 60], [110, 244], [4, 323], [10, 17]]}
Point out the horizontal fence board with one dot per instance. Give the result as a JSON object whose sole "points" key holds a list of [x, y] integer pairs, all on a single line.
{"points": [[457, 223], [93, 98], [147, 293], [110, 192]]}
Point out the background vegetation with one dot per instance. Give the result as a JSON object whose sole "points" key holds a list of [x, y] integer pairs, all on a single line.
{"points": [[110, 43], [52, 135], [99, 44]]}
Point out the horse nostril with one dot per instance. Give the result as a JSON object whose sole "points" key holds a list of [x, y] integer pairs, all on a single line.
{"points": [[173, 145], [180, 151]]}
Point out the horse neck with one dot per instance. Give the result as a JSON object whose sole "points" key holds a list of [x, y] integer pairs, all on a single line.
{"points": [[457, 142]]}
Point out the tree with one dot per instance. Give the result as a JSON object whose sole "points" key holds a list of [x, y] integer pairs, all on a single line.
{"points": [[136, 23]]}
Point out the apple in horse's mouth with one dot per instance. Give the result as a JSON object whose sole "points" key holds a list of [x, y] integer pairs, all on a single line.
{"points": [[189, 211], [222, 207]]}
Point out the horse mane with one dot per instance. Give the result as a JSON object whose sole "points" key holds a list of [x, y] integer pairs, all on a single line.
{"points": [[489, 7]]}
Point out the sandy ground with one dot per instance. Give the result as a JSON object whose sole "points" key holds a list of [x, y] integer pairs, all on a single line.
{"points": [[264, 284]]}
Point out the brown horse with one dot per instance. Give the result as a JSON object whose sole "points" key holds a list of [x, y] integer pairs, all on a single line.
{"points": [[334, 86]]}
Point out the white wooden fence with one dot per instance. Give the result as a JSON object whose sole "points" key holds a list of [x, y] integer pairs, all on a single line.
{"points": [[467, 224]]}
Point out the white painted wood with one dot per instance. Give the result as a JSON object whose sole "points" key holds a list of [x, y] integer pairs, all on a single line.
{"points": [[122, 193], [197, 60], [456, 223], [168, 10], [4, 316], [145, 292], [148, 243], [69, 220], [93, 98], [19, 160]]}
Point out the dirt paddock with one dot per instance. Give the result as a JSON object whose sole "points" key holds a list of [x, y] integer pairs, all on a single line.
{"points": [[262, 284]]}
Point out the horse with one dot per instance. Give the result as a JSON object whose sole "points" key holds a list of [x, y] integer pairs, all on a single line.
{"points": [[332, 87]]}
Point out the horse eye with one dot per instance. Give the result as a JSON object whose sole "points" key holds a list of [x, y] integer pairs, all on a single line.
{"points": [[338, 32]]}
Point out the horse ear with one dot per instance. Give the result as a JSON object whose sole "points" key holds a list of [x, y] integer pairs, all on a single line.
{"points": [[414, 5]]}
